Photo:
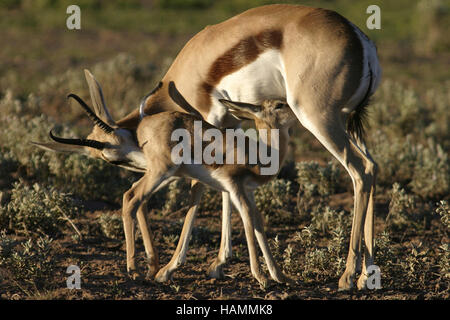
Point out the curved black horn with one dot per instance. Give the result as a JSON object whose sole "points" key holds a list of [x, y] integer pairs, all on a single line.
{"points": [[99, 122], [79, 142]]}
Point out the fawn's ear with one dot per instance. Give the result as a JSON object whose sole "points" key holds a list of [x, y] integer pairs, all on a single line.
{"points": [[242, 110]]}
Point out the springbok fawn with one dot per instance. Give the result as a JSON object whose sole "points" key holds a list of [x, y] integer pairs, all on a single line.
{"points": [[155, 137], [238, 177], [324, 66]]}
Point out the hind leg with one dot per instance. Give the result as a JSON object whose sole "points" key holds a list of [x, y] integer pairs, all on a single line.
{"points": [[330, 131], [179, 256], [133, 201], [368, 227]]}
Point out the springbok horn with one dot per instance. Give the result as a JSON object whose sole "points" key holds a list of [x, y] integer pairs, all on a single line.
{"points": [[79, 142], [99, 122]]}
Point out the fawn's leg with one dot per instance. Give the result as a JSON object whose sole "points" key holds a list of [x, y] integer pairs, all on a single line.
{"points": [[216, 268], [133, 200], [179, 256], [242, 204], [274, 269]]}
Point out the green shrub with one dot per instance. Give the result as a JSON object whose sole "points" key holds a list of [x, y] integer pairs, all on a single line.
{"points": [[396, 158], [321, 263], [90, 178], [398, 110], [275, 198], [409, 138], [37, 210], [443, 210], [211, 200], [386, 257], [416, 266], [444, 261], [16, 133], [111, 225], [403, 209], [176, 196], [325, 220], [124, 83], [30, 266], [431, 178], [8, 163], [320, 180], [438, 99]]}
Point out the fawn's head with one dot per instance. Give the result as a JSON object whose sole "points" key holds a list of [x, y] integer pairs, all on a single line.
{"points": [[273, 113], [107, 141]]}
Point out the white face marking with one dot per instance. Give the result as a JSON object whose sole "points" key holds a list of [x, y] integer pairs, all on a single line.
{"points": [[138, 159], [262, 79], [127, 152]]}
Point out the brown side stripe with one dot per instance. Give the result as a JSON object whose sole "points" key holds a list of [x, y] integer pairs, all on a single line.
{"points": [[243, 53]]}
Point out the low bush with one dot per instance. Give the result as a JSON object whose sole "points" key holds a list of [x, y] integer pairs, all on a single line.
{"points": [[37, 210], [325, 220], [318, 179], [177, 196], [275, 199], [29, 266], [111, 225], [123, 80], [321, 263]]}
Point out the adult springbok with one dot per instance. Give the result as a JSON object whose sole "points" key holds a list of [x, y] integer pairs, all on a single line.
{"points": [[320, 63]]}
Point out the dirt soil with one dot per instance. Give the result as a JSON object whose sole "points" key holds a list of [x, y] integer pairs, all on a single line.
{"points": [[103, 266]]}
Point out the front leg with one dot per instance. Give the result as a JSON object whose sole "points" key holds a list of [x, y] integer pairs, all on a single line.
{"points": [[242, 204], [274, 269], [133, 201], [216, 269]]}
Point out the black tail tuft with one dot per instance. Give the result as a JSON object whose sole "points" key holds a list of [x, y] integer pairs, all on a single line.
{"points": [[357, 120]]}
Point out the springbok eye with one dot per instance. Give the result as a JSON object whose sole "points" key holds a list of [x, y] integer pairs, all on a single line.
{"points": [[279, 105]]}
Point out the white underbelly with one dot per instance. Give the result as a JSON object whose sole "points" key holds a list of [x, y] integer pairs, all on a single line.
{"points": [[201, 173], [264, 78]]}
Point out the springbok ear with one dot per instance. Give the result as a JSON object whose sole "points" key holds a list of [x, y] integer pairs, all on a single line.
{"points": [[144, 100], [97, 99], [60, 147], [242, 110], [178, 98]]}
